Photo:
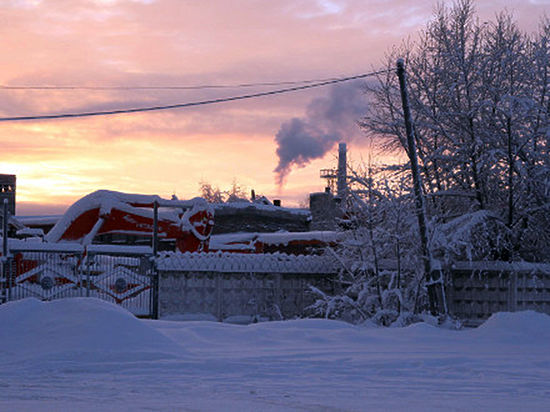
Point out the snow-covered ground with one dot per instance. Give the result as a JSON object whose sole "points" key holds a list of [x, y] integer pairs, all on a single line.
{"points": [[85, 354]]}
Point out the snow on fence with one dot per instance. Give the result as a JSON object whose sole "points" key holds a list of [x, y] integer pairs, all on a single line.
{"points": [[240, 287], [220, 286], [240, 262], [52, 271], [475, 290]]}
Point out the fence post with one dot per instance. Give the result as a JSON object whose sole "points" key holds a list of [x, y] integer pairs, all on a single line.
{"points": [[155, 281], [3, 297], [87, 275], [5, 219], [9, 276], [155, 285], [5, 251]]}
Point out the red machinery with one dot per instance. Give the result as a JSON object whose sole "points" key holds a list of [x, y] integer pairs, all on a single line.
{"points": [[188, 223]]}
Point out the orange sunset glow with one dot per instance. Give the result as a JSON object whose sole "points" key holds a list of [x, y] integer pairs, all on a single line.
{"points": [[124, 43]]}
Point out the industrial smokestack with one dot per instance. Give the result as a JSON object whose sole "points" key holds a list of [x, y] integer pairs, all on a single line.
{"points": [[342, 182], [328, 119]]}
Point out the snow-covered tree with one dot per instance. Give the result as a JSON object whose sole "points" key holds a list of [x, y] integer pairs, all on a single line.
{"points": [[480, 101], [210, 193], [480, 98], [381, 266], [214, 194]]}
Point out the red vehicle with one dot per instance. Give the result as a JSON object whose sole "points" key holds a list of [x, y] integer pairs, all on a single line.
{"points": [[115, 217]]}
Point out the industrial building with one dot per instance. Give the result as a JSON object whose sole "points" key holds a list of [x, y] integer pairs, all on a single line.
{"points": [[258, 216], [7, 191]]}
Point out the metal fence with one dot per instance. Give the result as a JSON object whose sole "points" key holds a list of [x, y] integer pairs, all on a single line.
{"points": [[125, 279], [240, 297], [475, 290], [236, 287], [221, 286]]}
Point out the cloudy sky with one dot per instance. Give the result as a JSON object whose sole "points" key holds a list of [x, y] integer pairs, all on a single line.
{"points": [[275, 145]]}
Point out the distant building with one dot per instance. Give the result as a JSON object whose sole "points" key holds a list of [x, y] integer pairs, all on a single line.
{"points": [[324, 209], [7, 191], [256, 217]]}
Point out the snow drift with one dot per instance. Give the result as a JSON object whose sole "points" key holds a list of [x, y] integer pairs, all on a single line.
{"points": [[77, 328], [87, 355], [527, 327]]}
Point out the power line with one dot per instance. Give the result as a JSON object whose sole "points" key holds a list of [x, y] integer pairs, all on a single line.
{"points": [[191, 104], [191, 87]]}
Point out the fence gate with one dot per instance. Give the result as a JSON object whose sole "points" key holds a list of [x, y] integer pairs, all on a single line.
{"points": [[123, 278]]}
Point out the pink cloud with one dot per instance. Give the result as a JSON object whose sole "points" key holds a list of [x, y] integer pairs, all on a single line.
{"points": [[166, 42]]}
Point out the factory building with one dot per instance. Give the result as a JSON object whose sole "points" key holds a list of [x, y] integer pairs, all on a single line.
{"points": [[7, 191]]}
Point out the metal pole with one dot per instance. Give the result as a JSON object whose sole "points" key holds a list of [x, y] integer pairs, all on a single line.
{"points": [[5, 229], [155, 274], [87, 275], [417, 184], [155, 227], [5, 250]]}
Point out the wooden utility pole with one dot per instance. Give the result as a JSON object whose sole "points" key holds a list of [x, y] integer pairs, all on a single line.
{"points": [[417, 184]]}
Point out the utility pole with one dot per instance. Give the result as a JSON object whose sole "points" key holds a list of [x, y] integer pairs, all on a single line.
{"points": [[417, 185]]}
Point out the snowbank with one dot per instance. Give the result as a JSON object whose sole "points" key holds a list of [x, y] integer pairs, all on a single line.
{"points": [[74, 329], [527, 327], [301, 365]]}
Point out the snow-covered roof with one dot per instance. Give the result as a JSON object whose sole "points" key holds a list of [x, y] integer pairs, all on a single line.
{"points": [[245, 240], [238, 263], [37, 245], [27, 231], [283, 238], [120, 249], [39, 220], [498, 266], [259, 206]]}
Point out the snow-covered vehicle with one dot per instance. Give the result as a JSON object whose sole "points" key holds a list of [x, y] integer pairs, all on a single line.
{"points": [[114, 217]]}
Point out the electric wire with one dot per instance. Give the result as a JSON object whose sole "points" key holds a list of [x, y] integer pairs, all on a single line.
{"points": [[191, 104], [192, 87]]}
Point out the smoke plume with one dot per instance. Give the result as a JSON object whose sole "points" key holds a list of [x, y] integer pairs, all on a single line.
{"points": [[328, 120]]}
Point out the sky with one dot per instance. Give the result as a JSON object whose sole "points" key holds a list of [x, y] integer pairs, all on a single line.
{"points": [[275, 145]]}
